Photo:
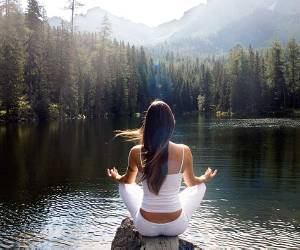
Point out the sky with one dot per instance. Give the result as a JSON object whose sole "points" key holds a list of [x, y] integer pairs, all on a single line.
{"points": [[149, 12]]}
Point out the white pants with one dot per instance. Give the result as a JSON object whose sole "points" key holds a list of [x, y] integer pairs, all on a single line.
{"points": [[190, 198]]}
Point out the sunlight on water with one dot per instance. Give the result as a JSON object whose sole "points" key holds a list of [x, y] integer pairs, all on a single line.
{"points": [[89, 217], [257, 123], [53, 196]]}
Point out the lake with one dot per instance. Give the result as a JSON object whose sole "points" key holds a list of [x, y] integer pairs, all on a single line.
{"points": [[54, 193]]}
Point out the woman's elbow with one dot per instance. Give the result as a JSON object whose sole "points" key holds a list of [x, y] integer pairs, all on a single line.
{"points": [[127, 180], [189, 182], [192, 182]]}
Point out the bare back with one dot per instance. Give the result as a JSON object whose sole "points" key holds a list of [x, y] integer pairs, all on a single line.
{"points": [[175, 165], [175, 158]]}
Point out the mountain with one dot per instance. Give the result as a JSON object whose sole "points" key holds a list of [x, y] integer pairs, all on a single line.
{"points": [[215, 26], [278, 20], [205, 20], [258, 29], [122, 28]]}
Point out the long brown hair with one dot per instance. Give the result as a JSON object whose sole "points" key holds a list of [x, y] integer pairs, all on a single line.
{"points": [[154, 135]]}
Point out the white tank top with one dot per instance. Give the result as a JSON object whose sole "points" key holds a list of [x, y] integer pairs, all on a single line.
{"points": [[167, 200]]}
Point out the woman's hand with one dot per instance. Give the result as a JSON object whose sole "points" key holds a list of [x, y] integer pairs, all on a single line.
{"points": [[209, 174], [113, 174]]}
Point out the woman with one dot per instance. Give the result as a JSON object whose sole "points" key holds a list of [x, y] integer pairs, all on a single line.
{"points": [[159, 208]]}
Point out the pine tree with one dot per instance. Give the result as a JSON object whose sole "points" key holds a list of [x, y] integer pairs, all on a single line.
{"points": [[292, 70], [257, 85], [37, 88], [238, 66], [67, 73], [133, 79], [276, 77], [207, 91], [11, 60], [105, 31], [142, 92]]}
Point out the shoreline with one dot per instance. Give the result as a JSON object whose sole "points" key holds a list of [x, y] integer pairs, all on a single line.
{"points": [[292, 114]]}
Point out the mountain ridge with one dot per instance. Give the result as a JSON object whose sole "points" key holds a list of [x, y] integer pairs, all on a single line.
{"points": [[227, 21]]}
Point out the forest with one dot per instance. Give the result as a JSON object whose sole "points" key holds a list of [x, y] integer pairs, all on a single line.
{"points": [[54, 73]]}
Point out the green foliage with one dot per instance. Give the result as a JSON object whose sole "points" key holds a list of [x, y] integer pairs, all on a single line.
{"points": [[2, 114], [292, 71], [48, 73], [53, 111], [221, 114], [276, 77], [25, 111], [201, 101], [11, 61]]}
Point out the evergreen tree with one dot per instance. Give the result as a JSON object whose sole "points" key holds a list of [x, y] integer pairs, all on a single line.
{"points": [[64, 73], [292, 71], [11, 59], [239, 85], [207, 91], [142, 92], [257, 85], [276, 77], [37, 88]]}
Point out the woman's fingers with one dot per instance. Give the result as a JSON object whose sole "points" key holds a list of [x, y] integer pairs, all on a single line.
{"points": [[111, 173], [214, 173], [209, 173]]}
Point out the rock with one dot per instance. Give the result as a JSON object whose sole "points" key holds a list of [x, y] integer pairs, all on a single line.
{"points": [[127, 237]]}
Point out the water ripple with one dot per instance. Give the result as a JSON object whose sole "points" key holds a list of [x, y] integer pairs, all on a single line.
{"points": [[85, 220], [256, 123]]}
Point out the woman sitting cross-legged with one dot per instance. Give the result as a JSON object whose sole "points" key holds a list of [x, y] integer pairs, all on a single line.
{"points": [[158, 207]]}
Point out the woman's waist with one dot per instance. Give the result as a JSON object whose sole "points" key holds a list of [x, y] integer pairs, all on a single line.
{"points": [[160, 217]]}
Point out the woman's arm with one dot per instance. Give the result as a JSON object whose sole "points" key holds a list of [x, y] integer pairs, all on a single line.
{"points": [[188, 173], [131, 172]]}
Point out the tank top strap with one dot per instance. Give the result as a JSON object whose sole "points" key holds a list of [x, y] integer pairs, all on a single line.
{"points": [[181, 160], [141, 156]]}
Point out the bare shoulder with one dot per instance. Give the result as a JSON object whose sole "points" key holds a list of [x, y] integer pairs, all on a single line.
{"points": [[135, 156], [180, 146], [136, 148], [186, 147], [187, 151], [135, 151]]}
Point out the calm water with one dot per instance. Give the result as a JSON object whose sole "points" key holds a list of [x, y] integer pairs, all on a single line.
{"points": [[53, 190]]}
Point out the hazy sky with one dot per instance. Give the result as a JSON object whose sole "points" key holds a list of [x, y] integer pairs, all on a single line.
{"points": [[150, 12]]}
